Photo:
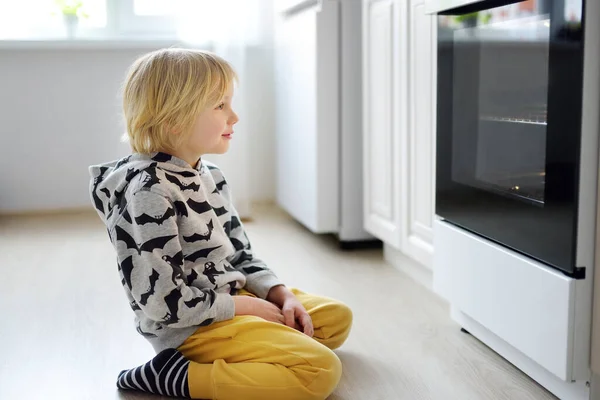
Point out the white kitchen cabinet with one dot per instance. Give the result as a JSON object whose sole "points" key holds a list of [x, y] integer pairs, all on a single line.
{"points": [[418, 146], [383, 67], [306, 83], [318, 115], [399, 113]]}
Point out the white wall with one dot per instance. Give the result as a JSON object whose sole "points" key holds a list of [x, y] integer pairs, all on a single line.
{"points": [[60, 112]]}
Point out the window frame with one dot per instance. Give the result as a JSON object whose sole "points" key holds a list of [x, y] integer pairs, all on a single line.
{"points": [[125, 22]]}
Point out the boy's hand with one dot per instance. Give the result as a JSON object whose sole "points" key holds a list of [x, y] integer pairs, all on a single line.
{"points": [[245, 305], [293, 311]]}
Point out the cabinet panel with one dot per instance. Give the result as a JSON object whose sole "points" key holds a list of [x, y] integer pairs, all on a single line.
{"points": [[419, 157], [381, 200], [306, 85], [380, 110]]}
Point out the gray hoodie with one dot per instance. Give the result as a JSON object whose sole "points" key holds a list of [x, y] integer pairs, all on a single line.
{"points": [[181, 249]]}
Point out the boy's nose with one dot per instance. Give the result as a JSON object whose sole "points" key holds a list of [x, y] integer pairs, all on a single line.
{"points": [[233, 119]]}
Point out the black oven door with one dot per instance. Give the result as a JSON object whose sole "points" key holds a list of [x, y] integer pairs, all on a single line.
{"points": [[510, 77]]}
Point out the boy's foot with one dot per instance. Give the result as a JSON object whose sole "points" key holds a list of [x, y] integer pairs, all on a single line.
{"points": [[166, 374]]}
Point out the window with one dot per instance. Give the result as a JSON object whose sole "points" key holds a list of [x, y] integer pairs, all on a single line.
{"points": [[198, 21], [43, 19]]}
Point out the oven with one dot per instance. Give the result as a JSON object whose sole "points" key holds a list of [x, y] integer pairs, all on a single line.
{"points": [[509, 123]]}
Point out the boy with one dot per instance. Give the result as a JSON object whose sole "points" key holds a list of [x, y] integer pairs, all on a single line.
{"points": [[222, 324]]}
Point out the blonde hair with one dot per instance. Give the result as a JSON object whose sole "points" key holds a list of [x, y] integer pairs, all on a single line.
{"points": [[166, 90]]}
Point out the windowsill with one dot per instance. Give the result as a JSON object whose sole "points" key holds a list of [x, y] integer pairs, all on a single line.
{"points": [[94, 43]]}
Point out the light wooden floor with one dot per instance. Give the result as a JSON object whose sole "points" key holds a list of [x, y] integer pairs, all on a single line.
{"points": [[66, 328]]}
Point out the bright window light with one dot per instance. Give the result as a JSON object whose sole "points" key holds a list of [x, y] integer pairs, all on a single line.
{"points": [[155, 7], [199, 21], [28, 18]]}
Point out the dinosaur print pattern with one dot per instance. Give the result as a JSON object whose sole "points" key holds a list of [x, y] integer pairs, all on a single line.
{"points": [[181, 248]]}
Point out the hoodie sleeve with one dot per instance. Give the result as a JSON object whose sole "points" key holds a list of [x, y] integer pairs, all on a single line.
{"points": [[150, 258], [259, 278]]}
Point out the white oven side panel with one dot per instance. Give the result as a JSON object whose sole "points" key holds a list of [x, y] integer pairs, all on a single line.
{"points": [[528, 305], [588, 187]]}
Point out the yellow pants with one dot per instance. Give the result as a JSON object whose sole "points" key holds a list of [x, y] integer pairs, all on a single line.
{"points": [[249, 358]]}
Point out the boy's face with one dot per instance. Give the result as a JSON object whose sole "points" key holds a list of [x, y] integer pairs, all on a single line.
{"points": [[212, 131]]}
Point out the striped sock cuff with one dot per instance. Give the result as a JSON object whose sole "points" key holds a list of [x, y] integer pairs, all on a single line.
{"points": [[166, 374]]}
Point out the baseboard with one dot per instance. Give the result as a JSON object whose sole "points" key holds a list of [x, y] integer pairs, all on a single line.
{"points": [[263, 202], [410, 267], [47, 212], [595, 389]]}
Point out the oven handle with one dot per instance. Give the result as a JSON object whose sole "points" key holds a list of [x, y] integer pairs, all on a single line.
{"points": [[438, 6]]}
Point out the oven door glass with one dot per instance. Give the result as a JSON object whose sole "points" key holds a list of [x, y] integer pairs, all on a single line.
{"points": [[509, 117]]}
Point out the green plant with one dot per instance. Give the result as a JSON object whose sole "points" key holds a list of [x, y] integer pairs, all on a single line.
{"points": [[474, 16], [71, 7], [466, 17], [486, 18]]}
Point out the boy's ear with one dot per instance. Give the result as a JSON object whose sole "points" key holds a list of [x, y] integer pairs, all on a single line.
{"points": [[175, 130]]}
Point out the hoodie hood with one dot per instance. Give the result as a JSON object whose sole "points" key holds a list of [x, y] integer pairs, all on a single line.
{"points": [[109, 181]]}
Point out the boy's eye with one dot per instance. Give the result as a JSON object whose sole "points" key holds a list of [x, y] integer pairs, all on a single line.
{"points": [[220, 106]]}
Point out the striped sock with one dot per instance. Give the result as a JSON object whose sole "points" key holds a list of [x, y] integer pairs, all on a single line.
{"points": [[166, 374]]}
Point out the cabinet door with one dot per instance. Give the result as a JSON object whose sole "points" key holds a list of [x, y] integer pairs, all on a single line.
{"points": [[307, 117], [418, 158], [383, 67]]}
